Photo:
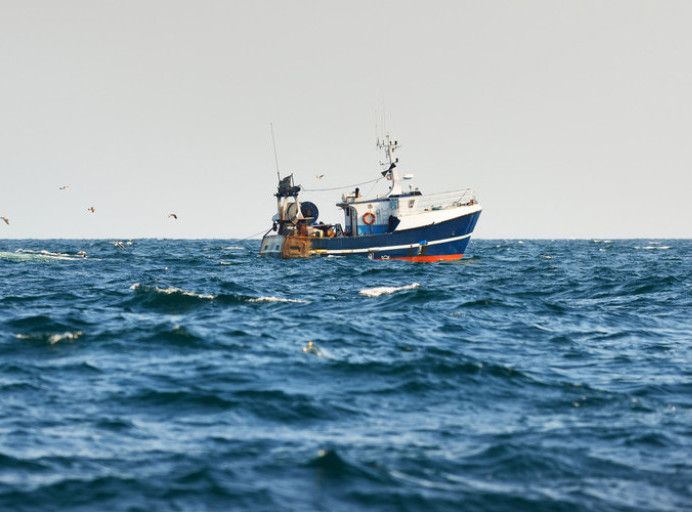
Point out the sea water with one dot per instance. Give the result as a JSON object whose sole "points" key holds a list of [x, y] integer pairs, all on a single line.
{"points": [[194, 375]]}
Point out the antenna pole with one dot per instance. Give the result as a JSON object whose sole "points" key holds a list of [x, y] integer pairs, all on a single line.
{"points": [[276, 158]]}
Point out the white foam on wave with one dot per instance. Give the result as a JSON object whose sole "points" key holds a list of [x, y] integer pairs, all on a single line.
{"points": [[311, 348], [173, 290], [386, 290], [70, 336], [53, 338], [278, 299], [29, 255], [654, 247]]}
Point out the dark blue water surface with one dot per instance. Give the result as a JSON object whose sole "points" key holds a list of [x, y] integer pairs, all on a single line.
{"points": [[194, 375]]}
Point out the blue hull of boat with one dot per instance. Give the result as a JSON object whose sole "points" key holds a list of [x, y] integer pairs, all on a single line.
{"points": [[445, 240]]}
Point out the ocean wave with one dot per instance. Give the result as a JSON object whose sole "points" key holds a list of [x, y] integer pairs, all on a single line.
{"points": [[386, 290], [171, 291], [331, 464], [51, 338], [183, 401], [29, 255], [468, 388], [173, 294], [226, 248], [167, 300], [311, 348], [172, 335], [278, 299], [70, 336]]}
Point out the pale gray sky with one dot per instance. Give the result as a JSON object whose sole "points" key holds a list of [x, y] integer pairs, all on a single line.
{"points": [[569, 119]]}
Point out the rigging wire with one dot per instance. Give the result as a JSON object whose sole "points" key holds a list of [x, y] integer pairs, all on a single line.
{"points": [[253, 235], [276, 157], [342, 187]]}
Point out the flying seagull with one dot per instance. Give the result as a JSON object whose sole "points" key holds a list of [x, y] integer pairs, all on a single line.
{"points": [[7, 221], [91, 209], [319, 176], [172, 215], [120, 244], [64, 187]]}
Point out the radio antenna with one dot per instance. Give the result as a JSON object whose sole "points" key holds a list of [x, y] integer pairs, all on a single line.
{"points": [[276, 158]]}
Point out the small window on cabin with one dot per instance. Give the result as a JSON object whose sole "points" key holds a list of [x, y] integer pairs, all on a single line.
{"points": [[411, 202]]}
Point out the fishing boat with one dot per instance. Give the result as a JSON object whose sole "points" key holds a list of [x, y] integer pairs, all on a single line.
{"points": [[398, 225]]}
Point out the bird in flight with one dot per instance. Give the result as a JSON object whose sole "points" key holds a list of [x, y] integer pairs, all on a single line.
{"points": [[120, 244], [172, 215], [7, 221], [319, 176], [64, 187], [91, 209]]}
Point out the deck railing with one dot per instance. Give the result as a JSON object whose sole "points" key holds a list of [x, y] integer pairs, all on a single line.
{"points": [[441, 201]]}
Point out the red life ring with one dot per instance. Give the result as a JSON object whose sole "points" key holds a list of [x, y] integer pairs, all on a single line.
{"points": [[369, 218]]}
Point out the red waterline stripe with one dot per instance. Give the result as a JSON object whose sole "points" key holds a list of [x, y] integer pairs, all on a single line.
{"points": [[442, 257]]}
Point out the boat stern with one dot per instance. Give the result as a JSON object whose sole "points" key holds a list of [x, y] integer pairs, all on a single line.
{"points": [[287, 246], [272, 245]]}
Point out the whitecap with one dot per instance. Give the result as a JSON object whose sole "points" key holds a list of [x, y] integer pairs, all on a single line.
{"points": [[653, 247], [29, 255], [71, 336], [173, 290], [313, 349], [385, 290], [180, 291], [278, 299]]}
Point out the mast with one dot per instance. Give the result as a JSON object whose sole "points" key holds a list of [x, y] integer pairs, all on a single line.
{"points": [[389, 146], [287, 188]]}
